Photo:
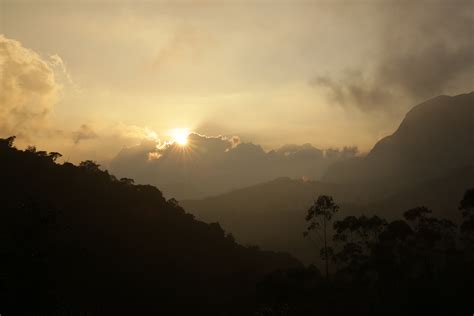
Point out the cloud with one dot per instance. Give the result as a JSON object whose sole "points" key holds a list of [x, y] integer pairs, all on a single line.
{"points": [[100, 141], [355, 89], [57, 62], [211, 165], [28, 89], [84, 132], [424, 49]]}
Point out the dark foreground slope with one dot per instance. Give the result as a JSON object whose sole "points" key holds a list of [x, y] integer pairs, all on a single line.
{"points": [[74, 239]]}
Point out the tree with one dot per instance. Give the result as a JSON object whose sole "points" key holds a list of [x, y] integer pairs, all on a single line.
{"points": [[7, 142], [90, 165], [358, 237], [467, 203], [467, 226], [54, 155], [319, 216], [430, 231], [127, 181]]}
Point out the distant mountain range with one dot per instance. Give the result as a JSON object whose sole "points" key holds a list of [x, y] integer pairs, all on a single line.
{"points": [[428, 161]]}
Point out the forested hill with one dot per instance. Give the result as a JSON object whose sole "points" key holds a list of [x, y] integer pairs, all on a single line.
{"points": [[76, 239]]}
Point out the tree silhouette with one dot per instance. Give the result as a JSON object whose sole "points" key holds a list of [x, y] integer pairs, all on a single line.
{"points": [[358, 237], [318, 217], [54, 155], [127, 181], [467, 226], [406, 266], [90, 166], [467, 203], [7, 142]]}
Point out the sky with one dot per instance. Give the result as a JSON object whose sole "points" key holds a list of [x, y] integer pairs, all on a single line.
{"points": [[91, 78]]}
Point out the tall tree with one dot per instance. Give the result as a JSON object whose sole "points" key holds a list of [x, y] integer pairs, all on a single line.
{"points": [[467, 226], [357, 238], [318, 217]]}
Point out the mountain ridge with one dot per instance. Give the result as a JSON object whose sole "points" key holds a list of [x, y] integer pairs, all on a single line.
{"points": [[434, 137]]}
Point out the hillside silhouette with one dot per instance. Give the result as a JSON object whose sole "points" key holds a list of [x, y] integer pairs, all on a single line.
{"points": [[76, 240]]}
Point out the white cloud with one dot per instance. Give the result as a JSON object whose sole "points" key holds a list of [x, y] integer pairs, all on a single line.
{"points": [[28, 90]]}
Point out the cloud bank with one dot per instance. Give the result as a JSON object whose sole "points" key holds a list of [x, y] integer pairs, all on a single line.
{"points": [[28, 89], [212, 165]]}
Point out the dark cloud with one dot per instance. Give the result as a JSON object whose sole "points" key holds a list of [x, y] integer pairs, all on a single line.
{"points": [[212, 165], [84, 132], [355, 89], [425, 48]]}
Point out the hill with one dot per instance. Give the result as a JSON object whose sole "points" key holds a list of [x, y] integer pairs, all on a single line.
{"points": [[76, 240], [436, 137], [270, 214]]}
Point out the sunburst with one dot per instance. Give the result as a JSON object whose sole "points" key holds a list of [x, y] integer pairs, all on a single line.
{"points": [[180, 136]]}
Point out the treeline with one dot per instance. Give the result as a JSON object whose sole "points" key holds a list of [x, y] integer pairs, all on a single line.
{"points": [[77, 241], [416, 265]]}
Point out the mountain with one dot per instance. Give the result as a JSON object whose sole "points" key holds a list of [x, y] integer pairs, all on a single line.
{"points": [[76, 240], [270, 214], [428, 161], [436, 137]]}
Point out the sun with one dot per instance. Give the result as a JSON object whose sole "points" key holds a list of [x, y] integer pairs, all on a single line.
{"points": [[180, 136]]}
